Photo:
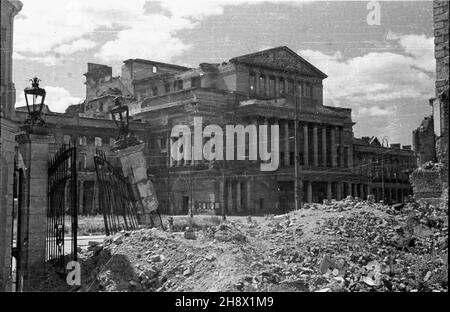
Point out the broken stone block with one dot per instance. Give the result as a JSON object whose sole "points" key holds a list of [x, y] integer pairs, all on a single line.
{"points": [[326, 264], [190, 234]]}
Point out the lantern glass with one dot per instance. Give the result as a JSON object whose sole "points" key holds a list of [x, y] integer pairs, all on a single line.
{"points": [[34, 98]]}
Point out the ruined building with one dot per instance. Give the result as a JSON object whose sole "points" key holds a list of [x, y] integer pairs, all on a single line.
{"points": [[9, 9], [430, 181], [254, 89]]}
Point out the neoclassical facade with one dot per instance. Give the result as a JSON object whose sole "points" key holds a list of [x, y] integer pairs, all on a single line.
{"points": [[263, 88]]}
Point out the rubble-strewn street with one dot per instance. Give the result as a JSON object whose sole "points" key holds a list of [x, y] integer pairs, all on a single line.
{"points": [[349, 245]]}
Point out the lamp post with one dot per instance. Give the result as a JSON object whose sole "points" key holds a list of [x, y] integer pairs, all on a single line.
{"points": [[37, 103], [121, 116]]}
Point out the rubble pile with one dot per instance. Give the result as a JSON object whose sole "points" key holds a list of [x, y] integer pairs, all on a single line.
{"points": [[348, 245]]}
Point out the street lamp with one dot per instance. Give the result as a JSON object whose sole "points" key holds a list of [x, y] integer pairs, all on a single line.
{"points": [[35, 109], [121, 116]]}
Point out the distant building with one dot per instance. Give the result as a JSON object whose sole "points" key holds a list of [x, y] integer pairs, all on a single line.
{"points": [[258, 88]]}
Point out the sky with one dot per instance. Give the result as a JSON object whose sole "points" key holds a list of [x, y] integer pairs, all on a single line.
{"points": [[381, 66]]}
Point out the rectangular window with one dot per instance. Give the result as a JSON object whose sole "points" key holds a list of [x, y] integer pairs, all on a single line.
{"points": [[155, 69], [66, 139], [180, 84], [167, 87], [272, 87], [155, 91], [98, 142], [111, 142], [82, 141], [162, 143], [262, 85], [281, 87], [345, 156], [300, 89], [195, 82], [252, 83], [307, 90], [290, 89]]}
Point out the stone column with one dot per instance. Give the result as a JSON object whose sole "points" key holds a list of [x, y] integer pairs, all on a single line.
{"points": [[350, 156], [315, 147], [329, 193], [355, 190], [249, 200], [324, 146], [349, 189], [230, 197], [361, 190], [222, 196], [34, 149], [309, 192], [134, 166], [238, 197], [301, 193], [305, 146], [333, 148], [286, 143], [338, 190], [169, 152], [277, 87], [341, 146]]}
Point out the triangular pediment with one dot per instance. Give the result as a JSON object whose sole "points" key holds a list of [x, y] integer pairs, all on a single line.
{"points": [[280, 58]]}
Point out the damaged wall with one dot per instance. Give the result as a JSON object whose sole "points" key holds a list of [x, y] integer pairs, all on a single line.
{"points": [[423, 141]]}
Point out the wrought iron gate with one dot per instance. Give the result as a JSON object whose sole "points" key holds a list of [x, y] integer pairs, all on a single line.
{"points": [[116, 199], [62, 200], [16, 240]]}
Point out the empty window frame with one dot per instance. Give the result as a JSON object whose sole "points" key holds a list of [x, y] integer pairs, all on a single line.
{"points": [[82, 141], [262, 85], [290, 89], [98, 142], [155, 91], [252, 83], [281, 87], [66, 139], [272, 92], [195, 82]]}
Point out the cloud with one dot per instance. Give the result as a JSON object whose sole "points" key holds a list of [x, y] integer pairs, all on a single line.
{"points": [[45, 30], [47, 27], [74, 46], [150, 36], [378, 76], [376, 111], [58, 99]]}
